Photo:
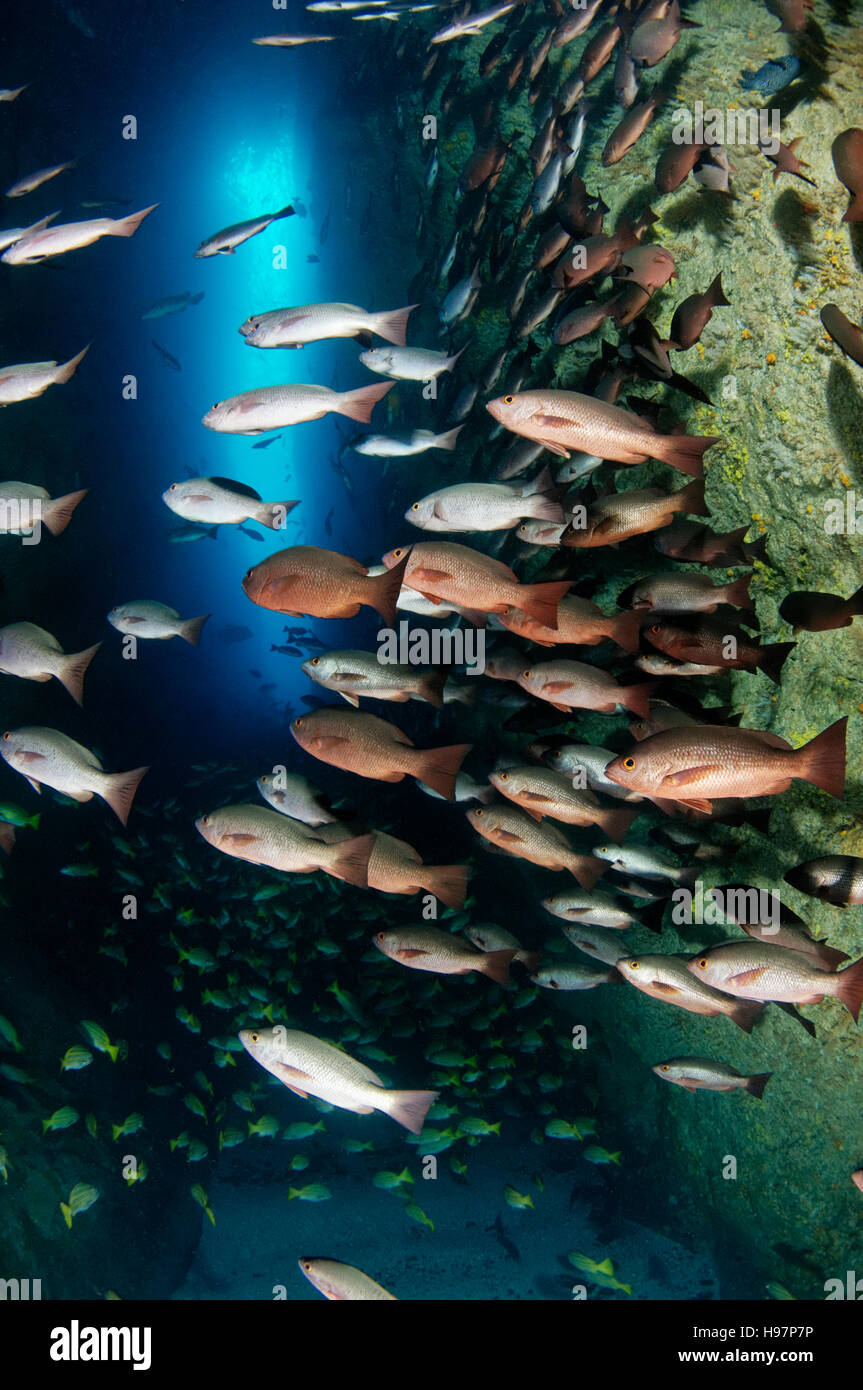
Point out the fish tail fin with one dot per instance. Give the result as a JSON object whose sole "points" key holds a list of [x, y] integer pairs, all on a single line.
{"points": [[287, 211], [447, 440], [755, 1084], [67, 1214], [690, 499], [684, 451], [196, 298], [439, 767], [745, 1013], [625, 630], [717, 294], [616, 823], [383, 590], [451, 361], [69, 368], [587, 869], [447, 882], [756, 550], [849, 988], [540, 601], [637, 698], [772, 658], [822, 760], [128, 226], [738, 593], [272, 514], [351, 860], [56, 512], [856, 601], [496, 965], [119, 791], [190, 630], [408, 1108], [359, 404], [392, 326], [855, 209], [431, 685], [651, 916], [73, 669]]}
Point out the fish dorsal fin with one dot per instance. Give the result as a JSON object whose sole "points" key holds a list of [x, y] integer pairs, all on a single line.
{"points": [[231, 485]]}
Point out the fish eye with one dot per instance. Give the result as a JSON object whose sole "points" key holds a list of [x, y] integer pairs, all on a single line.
{"points": [[205, 820], [255, 327], [307, 1264], [415, 507], [476, 813], [656, 627], [526, 674], [253, 1037], [629, 764], [249, 573], [298, 723], [702, 964], [633, 965], [664, 1067], [6, 738], [216, 406], [503, 776], [508, 400], [173, 487], [315, 661], [380, 936], [397, 554]]}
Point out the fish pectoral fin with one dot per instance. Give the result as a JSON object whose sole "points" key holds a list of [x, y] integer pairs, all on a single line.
{"points": [[746, 978], [34, 784], [410, 953], [327, 743], [30, 757], [554, 686], [132, 621], [428, 575], [292, 1078], [351, 699], [557, 422], [705, 807], [553, 447], [670, 990], [240, 838], [563, 708], [689, 774], [508, 837]]}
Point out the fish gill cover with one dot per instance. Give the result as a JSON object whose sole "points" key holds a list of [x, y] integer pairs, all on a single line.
{"points": [[430, 817]]}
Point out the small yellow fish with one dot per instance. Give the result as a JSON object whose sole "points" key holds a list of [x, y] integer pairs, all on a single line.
{"points": [[99, 1038], [81, 1198], [517, 1199], [76, 1058], [388, 1180], [61, 1119], [130, 1125], [601, 1273], [417, 1214], [200, 1197], [313, 1192]]}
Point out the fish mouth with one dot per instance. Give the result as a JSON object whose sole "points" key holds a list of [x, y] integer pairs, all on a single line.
{"points": [[493, 408], [613, 773]]}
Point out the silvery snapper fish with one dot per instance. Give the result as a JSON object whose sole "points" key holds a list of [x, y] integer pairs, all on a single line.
{"points": [[222, 501], [312, 323], [50, 758], [310, 1067], [274, 407], [155, 621], [28, 379], [225, 243], [34, 654]]}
